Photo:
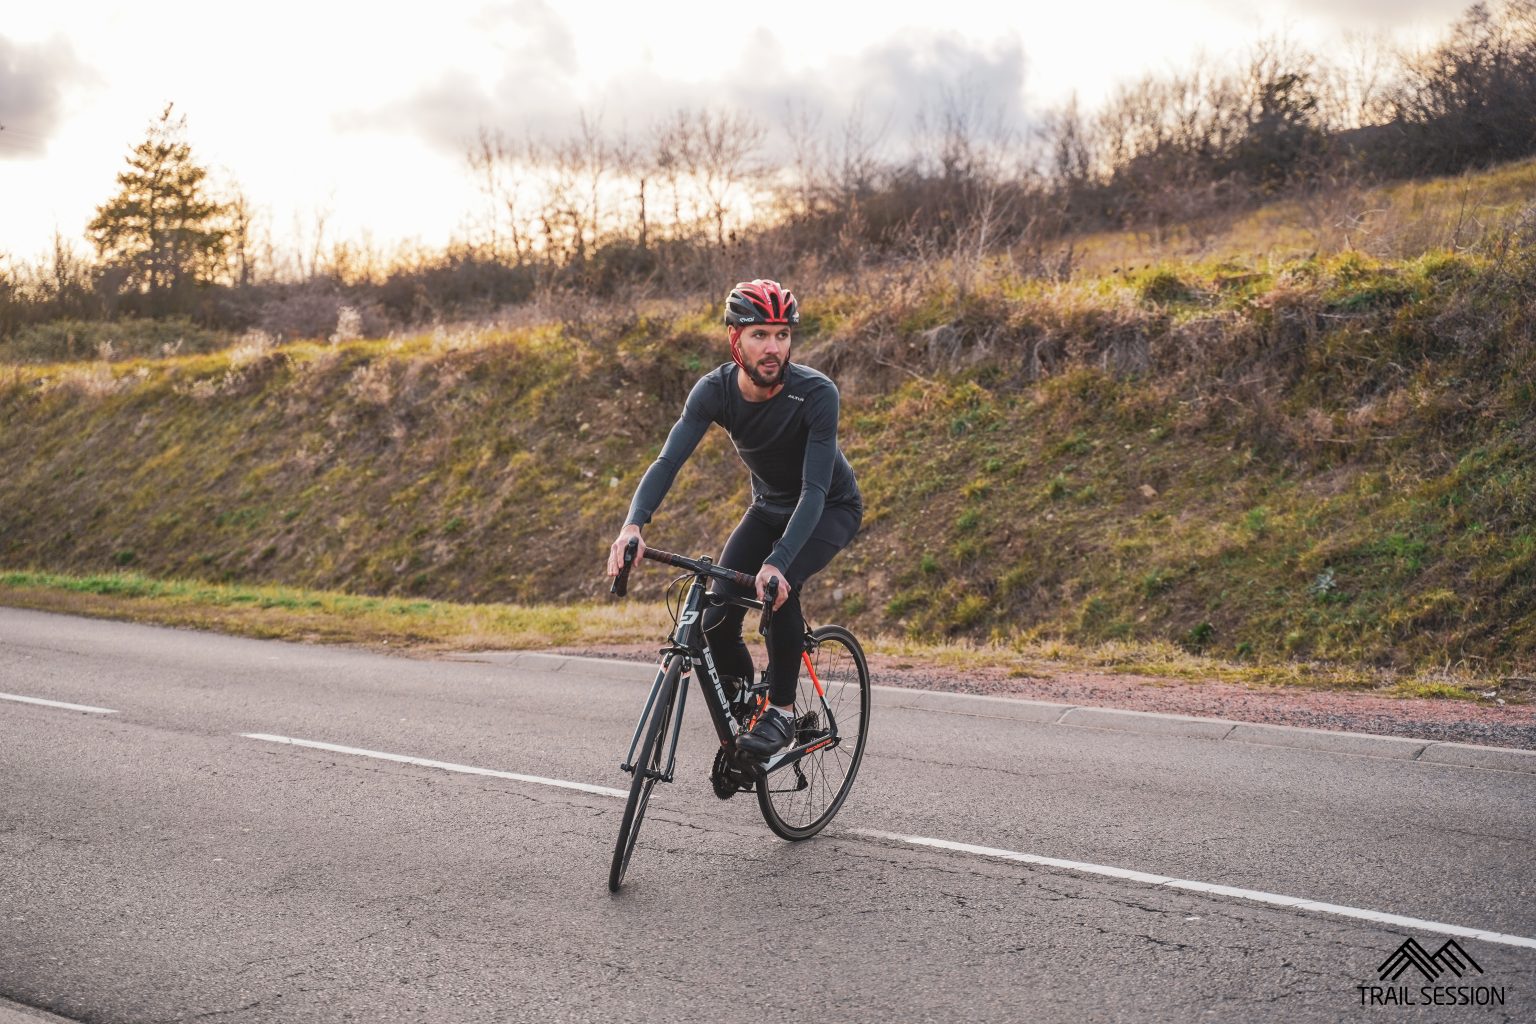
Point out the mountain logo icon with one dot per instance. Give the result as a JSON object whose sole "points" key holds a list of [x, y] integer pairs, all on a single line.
{"points": [[1449, 957]]}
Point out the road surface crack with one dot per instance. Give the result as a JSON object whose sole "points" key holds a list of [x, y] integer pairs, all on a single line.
{"points": [[212, 1013]]}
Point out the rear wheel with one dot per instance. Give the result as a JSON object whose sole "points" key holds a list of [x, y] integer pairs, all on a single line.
{"points": [[798, 800], [648, 768]]}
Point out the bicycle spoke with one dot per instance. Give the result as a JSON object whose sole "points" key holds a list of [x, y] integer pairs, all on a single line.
{"points": [[828, 771], [647, 771]]}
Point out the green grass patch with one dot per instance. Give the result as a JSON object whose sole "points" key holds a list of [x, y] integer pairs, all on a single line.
{"points": [[295, 613]]}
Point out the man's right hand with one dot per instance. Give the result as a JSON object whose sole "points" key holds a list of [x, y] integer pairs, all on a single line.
{"points": [[616, 553]]}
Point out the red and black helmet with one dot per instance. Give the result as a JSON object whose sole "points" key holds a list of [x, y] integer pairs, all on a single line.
{"points": [[761, 302]]}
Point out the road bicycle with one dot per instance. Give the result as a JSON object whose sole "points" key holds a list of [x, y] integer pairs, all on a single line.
{"points": [[798, 789]]}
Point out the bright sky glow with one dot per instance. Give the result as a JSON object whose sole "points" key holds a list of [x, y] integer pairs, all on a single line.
{"points": [[361, 113]]}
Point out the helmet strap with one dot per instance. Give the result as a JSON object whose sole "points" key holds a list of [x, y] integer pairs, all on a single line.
{"points": [[735, 336]]}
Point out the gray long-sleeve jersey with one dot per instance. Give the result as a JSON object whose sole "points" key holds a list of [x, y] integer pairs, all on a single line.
{"points": [[789, 443]]}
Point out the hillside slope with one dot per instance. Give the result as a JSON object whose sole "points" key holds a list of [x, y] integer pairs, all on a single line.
{"points": [[1330, 459]]}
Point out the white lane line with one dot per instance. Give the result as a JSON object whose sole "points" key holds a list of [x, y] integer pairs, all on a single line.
{"points": [[57, 704], [1124, 874], [1252, 895], [447, 766]]}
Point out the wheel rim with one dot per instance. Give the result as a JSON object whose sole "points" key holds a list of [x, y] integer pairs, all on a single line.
{"points": [[828, 773], [634, 827], [647, 774]]}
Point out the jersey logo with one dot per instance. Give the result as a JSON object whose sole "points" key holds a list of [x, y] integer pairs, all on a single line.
{"points": [[797, 398]]}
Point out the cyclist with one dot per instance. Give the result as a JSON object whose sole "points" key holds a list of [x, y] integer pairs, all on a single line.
{"points": [[806, 505]]}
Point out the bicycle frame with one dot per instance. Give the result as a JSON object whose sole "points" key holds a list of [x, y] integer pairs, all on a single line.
{"points": [[687, 642]]}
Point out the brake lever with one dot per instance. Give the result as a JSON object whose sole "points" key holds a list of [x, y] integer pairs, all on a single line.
{"points": [[770, 594], [621, 581]]}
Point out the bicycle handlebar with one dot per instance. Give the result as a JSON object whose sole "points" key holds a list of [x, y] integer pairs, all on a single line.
{"points": [[770, 595], [703, 568], [621, 581]]}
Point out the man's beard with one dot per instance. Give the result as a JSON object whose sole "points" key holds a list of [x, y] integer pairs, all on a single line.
{"points": [[761, 381]]}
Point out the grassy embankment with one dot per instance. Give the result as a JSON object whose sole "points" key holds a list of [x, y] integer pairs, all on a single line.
{"points": [[1316, 468], [426, 626]]}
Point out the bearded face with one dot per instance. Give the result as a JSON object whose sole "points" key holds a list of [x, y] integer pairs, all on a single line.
{"points": [[763, 352]]}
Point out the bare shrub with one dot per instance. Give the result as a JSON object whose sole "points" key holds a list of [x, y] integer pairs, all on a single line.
{"points": [[252, 346], [1471, 99], [372, 383], [349, 325], [315, 311]]}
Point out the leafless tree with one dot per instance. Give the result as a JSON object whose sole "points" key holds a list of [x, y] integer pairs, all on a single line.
{"points": [[241, 246], [1472, 98], [635, 162], [1354, 83], [725, 165]]}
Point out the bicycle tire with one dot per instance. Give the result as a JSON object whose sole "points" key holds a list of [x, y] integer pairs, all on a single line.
{"points": [[648, 768], [797, 812]]}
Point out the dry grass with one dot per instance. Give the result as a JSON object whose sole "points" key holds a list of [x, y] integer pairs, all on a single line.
{"points": [[1160, 660], [312, 616], [291, 613], [1398, 221]]}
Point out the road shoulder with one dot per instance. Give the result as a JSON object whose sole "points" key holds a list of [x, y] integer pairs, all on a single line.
{"points": [[1390, 732]]}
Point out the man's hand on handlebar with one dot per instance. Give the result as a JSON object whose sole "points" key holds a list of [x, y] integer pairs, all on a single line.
{"points": [[616, 553], [765, 574]]}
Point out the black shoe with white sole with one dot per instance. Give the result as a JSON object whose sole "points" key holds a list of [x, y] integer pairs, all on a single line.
{"points": [[772, 733]]}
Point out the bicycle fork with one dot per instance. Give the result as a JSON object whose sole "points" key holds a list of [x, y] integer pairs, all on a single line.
{"points": [[674, 712]]}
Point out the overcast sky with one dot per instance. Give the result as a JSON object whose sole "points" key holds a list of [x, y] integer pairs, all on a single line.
{"points": [[365, 111]]}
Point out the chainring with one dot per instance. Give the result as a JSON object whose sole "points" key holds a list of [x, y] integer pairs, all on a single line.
{"points": [[723, 776]]}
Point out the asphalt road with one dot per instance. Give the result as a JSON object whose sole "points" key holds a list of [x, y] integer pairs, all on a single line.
{"points": [[158, 865]]}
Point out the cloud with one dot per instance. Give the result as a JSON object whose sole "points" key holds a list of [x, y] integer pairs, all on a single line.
{"points": [[907, 86], [535, 48], [897, 84], [532, 31], [1377, 14], [33, 82]]}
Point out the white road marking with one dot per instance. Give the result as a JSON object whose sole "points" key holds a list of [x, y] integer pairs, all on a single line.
{"points": [[1125, 874], [58, 704], [446, 766], [1253, 895]]}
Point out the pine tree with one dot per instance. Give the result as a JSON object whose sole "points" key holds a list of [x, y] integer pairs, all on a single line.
{"points": [[162, 232]]}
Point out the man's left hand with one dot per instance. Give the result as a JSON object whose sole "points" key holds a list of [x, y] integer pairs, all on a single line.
{"points": [[767, 573]]}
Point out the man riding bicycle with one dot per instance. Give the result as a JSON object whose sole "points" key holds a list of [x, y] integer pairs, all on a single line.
{"points": [[806, 505]]}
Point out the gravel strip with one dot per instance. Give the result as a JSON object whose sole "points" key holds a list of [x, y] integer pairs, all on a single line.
{"points": [[1458, 721]]}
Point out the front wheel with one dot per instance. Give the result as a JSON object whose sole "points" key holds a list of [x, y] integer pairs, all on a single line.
{"points": [[831, 703], [648, 769]]}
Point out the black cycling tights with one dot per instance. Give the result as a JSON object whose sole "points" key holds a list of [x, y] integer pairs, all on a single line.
{"points": [[750, 543]]}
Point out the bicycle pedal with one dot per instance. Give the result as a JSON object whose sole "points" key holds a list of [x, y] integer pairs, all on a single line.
{"points": [[744, 764]]}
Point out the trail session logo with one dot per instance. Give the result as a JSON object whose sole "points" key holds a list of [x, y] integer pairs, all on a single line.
{"points": [[1447, 962]]}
